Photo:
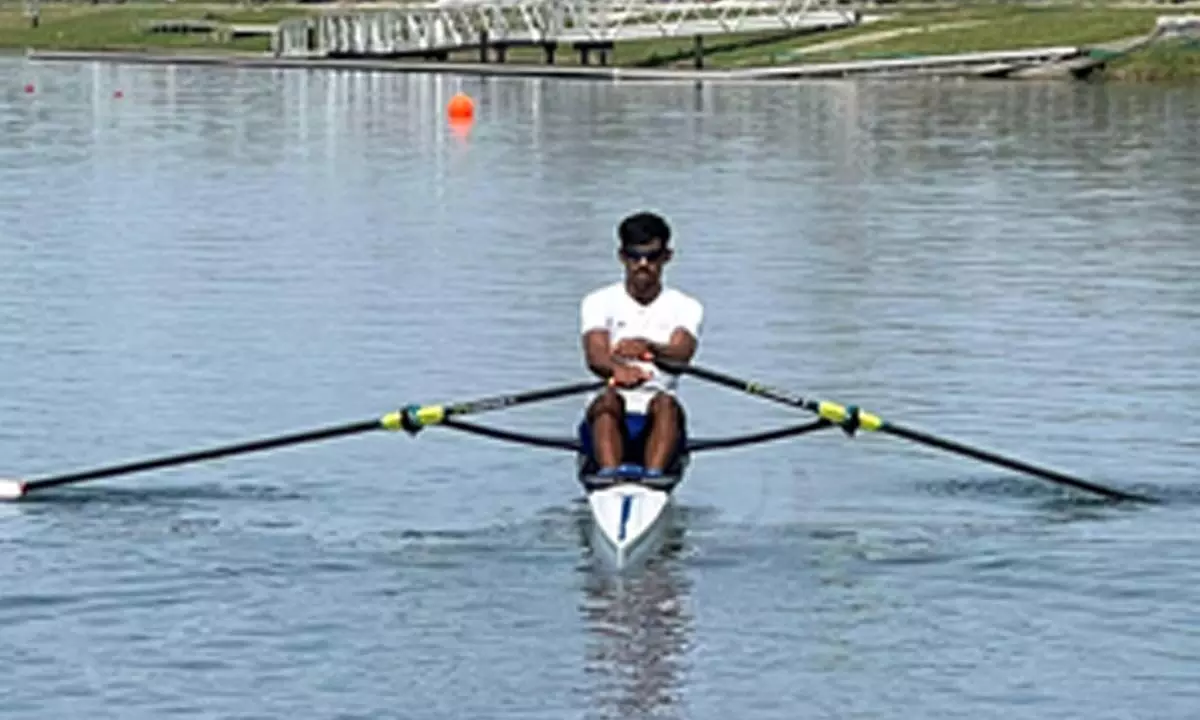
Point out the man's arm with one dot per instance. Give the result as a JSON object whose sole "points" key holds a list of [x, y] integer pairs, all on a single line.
{"points": [[593, 321], [602, 361], [597, 353], [679, 350], [684, 338]]}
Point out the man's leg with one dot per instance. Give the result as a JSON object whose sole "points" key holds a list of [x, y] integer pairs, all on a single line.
{"points": [[606, 416], [666, 424]]}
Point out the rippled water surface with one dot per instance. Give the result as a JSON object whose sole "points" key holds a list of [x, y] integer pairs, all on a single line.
{"points": [[221, 255]]}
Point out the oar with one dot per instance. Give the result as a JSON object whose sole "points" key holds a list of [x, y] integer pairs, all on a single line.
{"points": [[410, 419], [852, 419]]}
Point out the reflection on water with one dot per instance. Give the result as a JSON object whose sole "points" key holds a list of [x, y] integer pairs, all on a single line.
{"points": [[639, 629]]}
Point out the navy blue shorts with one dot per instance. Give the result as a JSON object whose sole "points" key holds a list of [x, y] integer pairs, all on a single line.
{"points": [[637, 430]]}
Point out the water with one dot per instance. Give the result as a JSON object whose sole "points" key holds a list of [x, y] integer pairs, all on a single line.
{"points": [[222, 255]]}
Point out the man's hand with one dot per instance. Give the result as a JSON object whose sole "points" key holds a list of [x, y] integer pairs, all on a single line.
{"points": [[629, 376], [634, 349]]}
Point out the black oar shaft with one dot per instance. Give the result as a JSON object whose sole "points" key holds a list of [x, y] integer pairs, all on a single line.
{"points": [[499, 402], [410, 419], [201, 455], [872, 422], [1008, 462], [753, 388], [702, 444]]}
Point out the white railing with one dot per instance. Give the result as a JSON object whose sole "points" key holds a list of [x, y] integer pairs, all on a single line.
{"points": [[458, 24]]}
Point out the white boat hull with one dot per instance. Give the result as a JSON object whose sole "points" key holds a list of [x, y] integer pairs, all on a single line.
{"points": [[629, 522]]}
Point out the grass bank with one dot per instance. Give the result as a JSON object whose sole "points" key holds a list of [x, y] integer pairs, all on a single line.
{"points": [[903, 31], [1169, 61], [127, 26], [981, 29]]}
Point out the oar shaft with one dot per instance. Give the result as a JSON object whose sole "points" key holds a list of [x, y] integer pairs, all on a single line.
{"points": [[415, 417], [867, 421], [1007, 462], [201, 455], [412, 419], [499, 402], [764, 391]]}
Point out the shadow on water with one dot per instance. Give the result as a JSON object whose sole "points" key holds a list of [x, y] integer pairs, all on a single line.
{"points": [[639, 629]]}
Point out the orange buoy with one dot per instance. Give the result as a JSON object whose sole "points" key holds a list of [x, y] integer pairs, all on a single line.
{"points": [[460, 107]]}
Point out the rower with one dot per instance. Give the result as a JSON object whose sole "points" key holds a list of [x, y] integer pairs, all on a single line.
{"points": [[637, 426]]}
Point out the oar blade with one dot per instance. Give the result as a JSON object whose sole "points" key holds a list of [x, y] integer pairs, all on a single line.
{"points": [[11, 489]]}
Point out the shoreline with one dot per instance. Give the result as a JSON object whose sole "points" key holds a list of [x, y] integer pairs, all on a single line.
{"points": [[1065, 42], [268, 61], [998, 65]]}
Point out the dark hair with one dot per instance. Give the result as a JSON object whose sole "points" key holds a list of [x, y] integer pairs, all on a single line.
{"points": [[642, 228]]}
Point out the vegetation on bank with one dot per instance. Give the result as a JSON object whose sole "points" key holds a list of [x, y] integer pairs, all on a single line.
{"points": [[901, 33], [979, 29], [127, 26], [1171, 60]]}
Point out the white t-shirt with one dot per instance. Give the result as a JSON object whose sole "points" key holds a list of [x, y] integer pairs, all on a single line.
{"points": [[611, 308]]}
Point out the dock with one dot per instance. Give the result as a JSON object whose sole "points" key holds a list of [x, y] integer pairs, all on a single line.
{"points": [[977, 64], [434, 31]]}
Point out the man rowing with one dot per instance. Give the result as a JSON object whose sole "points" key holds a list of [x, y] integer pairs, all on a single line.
{"points": [[637, 426]]}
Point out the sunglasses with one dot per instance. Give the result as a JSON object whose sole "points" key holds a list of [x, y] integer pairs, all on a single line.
{"points": [[634, 255]]}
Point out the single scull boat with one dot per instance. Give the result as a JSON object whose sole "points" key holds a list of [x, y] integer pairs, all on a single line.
{"points": [[630, 515]]}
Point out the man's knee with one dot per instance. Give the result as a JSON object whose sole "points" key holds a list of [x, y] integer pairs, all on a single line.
{"points": [[665, 404], [608, 402]]}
